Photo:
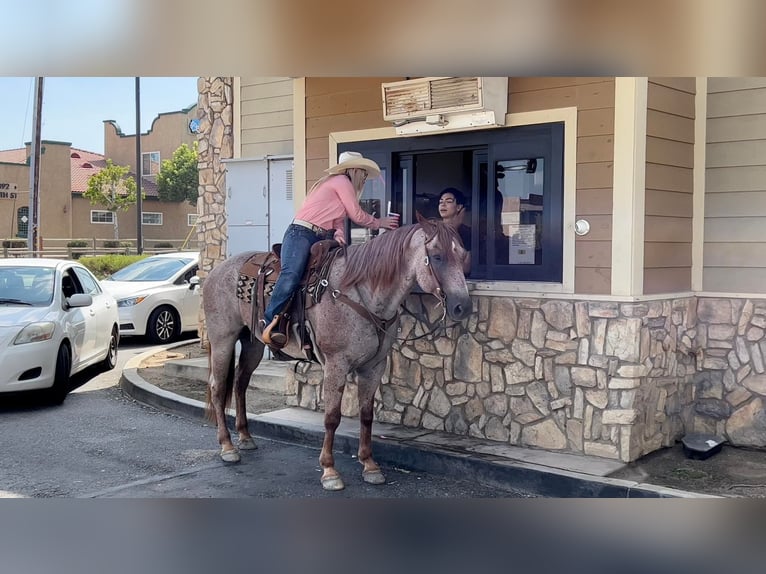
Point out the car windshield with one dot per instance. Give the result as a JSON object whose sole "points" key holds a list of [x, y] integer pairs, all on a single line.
{"points": [[21, 285], [150, 269]]}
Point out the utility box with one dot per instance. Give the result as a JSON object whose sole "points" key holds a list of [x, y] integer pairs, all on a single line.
{"points": [[259, 202]]}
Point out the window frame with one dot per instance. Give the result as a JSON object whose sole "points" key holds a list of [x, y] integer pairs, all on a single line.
{"points": [[145, 213], [158, 162], [189, 222], [111, 217], [388, 151]]}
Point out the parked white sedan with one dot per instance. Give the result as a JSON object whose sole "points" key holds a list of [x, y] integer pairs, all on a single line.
{"points": [[55, 320], [158, 296]]}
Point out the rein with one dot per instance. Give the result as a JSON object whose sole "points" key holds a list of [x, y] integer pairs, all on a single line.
{"points": [[382, 324]]}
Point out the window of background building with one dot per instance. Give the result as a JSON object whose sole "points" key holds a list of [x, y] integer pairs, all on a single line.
{"points": [[22, 221], [101, 216], [150, 163], [191, 219], [151, 218]]}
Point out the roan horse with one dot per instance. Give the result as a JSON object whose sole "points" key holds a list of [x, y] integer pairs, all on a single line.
{"points": [[377, 275]]}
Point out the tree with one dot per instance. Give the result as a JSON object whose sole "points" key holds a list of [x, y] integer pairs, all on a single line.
{"points": [[178, 179], [113, 189]]}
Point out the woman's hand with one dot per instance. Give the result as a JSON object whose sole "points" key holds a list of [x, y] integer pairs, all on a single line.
{"points": [[389, 222]]}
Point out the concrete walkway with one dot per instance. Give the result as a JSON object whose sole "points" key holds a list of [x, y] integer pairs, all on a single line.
{"points": [[489, 462]]}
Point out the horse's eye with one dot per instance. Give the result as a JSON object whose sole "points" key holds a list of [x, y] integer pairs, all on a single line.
{"points": [[437, 257]]}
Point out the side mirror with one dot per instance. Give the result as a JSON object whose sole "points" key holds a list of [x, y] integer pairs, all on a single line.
{"points": [[193, 282], [78, 300]]}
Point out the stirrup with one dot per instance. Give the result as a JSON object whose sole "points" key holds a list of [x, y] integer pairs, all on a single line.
{"points": [[276, 338]]}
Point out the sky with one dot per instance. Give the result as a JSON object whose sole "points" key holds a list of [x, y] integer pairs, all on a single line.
{"points": [[74, 109]]}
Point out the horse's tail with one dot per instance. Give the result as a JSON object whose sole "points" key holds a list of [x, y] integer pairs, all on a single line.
{"points": [[229, 382]]}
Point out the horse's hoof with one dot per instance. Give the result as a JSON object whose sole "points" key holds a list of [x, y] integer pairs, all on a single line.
{"points": [[333, 483], [230, 456], [247, 444], [373, 476]]}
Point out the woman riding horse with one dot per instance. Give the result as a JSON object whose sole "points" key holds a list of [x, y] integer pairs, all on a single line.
{"points": [[322, 216]]}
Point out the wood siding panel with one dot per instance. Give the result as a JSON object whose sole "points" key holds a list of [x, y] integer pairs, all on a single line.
{"points": [[595, 149], [272, 134], [745, 280], [667, 280], [668, 203], [593, 281], [735, 255], [594, 202], [664, 255], [669, 100], [322, 126], [595, 175], [260, 91], [734, 154], [600, 229], [257, 121], [667, 229], [669, 178], [669, 152], [278, 104], [344, 103], [736, 129], [595, 122], [517, 85], [688, 85], [267, 148], [732, 84], [726, 229], [584, 97], [726, 179], [316, 86], [593, 253], [736, 204], [738, 103], [669, 127]]}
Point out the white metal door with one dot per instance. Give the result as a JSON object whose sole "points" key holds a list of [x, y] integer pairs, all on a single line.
{"points": [[281, 206]]}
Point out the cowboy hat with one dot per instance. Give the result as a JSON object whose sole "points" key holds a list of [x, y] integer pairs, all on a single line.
{"points": [[354, 160]]}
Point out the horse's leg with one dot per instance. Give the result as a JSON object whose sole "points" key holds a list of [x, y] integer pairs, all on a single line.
{"points": [[249, 358], [221, 374], [332, 388], [368, 380]]}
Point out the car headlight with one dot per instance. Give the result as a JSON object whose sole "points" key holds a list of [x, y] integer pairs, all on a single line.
{"points": [[34, 332], [130, 301]]}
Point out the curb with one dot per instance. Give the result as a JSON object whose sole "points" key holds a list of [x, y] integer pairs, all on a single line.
{"points": [[486, 469]]}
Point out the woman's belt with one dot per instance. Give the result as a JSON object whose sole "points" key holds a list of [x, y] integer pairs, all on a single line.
{"points": [[315, 228]]}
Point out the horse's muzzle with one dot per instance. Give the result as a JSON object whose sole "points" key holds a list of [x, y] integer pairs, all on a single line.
{"points": [[460, 308]]}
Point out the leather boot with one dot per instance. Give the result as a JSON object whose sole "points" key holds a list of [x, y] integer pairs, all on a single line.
{"points": [[271, 336]]}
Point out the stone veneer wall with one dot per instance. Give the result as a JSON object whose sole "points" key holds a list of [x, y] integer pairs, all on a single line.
{"points": [[608, 379], [215, 109], [731, 386]]}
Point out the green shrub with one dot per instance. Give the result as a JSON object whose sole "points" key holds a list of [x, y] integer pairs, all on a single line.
{"points": [[14, 243], [77, 243], [104, 265], [112, 244], [163, 245]]}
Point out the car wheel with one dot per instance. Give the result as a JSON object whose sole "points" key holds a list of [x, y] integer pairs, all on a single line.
{"points": [[164, 325], [110, 361], [58, 392]]}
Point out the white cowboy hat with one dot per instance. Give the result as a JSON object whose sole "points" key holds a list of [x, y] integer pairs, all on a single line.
{"points": [[351, 160]]}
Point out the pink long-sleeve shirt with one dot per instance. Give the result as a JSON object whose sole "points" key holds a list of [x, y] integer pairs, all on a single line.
{"points": [[329, 204]]}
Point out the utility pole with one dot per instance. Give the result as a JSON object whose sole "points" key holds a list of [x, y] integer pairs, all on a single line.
{"points": [[139, 212], [33, 226]]}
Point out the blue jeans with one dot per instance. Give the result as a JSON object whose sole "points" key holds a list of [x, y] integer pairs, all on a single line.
{"points": [[296, 248]]}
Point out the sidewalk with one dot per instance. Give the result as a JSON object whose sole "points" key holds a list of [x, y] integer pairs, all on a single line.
{"points": [[489, 462]]}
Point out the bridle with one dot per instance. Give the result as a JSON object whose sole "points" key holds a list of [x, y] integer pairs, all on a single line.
{"points": [[381, 325]]}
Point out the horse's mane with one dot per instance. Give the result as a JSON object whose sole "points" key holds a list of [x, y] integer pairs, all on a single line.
{"points": [[380, 261]]}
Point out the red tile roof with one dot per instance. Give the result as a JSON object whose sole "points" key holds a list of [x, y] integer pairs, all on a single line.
{"points": [[14, 155], [84, 164]]}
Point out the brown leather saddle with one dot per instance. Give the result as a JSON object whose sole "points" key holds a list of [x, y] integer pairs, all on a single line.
{"points": [[255, 284]]}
